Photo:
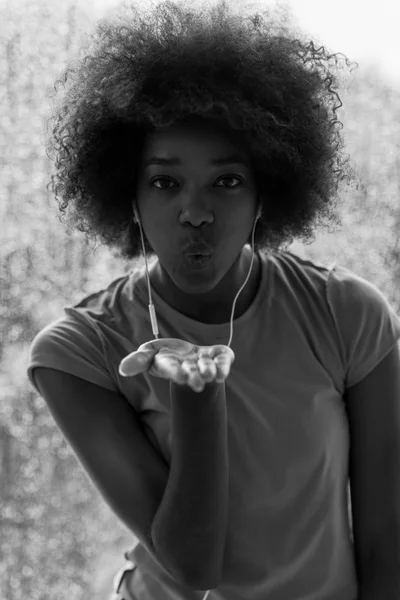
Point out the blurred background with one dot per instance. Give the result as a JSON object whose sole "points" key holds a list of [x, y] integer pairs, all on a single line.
{"points": [[58, 538]]}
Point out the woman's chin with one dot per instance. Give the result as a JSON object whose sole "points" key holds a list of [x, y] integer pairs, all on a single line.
{"points": [[193, 281]]}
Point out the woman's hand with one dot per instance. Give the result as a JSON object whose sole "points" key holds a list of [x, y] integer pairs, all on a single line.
{"points": [[181, 362]]}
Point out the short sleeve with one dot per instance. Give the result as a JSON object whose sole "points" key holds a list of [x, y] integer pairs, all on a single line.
{"points": [[71, 344], [366, 322]]}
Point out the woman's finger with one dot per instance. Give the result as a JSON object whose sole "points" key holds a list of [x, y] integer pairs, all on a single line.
{"points": [[207, 368], [136, 362], [195, 380], [223, 363]]}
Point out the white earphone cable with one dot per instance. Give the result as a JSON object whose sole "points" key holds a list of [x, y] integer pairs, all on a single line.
{"points": [[152, 312]]}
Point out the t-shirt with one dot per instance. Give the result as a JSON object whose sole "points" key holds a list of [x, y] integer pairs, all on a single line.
{"points": [[311, 332]]}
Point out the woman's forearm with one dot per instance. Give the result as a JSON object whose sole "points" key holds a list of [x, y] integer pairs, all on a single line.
{"points": [[189, 528]]}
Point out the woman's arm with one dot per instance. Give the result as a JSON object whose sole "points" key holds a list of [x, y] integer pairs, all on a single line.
{"points": [[373, 407], [189, 528]]}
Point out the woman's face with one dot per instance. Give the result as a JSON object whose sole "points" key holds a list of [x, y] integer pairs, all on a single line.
{"points": [[192, 198]]}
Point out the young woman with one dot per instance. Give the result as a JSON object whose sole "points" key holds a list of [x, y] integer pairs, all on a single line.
{"points": [[222, 396]]}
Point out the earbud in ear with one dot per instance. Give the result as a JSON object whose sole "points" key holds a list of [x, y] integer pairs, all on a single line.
{"points": [[259, 213], [136, 215]]}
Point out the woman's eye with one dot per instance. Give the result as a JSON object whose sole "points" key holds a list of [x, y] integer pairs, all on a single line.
{"points": [[230, 177], [161, 179]]}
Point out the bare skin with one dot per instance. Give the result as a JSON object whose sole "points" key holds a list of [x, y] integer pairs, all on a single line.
{"points": [[181, 362], [192, 199], [195, 199]]}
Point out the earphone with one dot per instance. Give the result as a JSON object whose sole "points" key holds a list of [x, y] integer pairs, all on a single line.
{"points": [[153, 318]]}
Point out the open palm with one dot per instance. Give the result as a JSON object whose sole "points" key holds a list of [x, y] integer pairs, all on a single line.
{"points": [[181, 362]]}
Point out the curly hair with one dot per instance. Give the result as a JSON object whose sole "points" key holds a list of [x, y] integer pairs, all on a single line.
{"points": [[249, 74]]}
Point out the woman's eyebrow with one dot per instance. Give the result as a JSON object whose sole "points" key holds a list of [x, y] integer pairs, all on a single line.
{"points": [[216, 162]]}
